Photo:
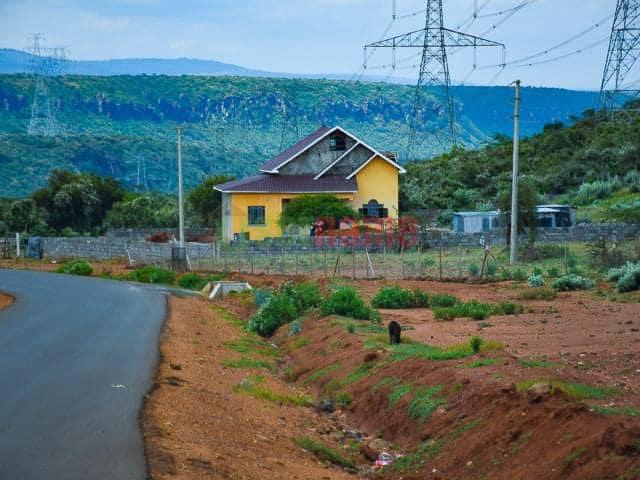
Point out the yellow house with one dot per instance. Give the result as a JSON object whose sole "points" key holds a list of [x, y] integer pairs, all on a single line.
{"points": [[329, 160]]}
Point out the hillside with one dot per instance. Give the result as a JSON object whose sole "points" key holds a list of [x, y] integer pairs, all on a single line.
{"points": [[593, 162], [124, 126]]}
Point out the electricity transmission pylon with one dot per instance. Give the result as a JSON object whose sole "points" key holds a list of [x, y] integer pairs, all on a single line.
{"points": [[289, 124], [433, 39], [45, 62], [624, 49]]}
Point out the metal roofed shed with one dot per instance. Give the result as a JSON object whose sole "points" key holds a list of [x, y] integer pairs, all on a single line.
{"points": [[473, 222], [555, 216]]}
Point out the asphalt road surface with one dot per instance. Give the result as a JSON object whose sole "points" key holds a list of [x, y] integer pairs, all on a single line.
{"points": [[77, 356]]}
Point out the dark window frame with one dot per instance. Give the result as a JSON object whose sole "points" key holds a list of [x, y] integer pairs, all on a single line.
{"points": [[255, 213], [337, 142]]}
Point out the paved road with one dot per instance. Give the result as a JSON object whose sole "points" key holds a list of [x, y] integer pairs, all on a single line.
{"points": [[77, 356]]}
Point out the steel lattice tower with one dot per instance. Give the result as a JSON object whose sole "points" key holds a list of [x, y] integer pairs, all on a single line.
{"points": [[45, 62], [433, 39], [624, 50]]}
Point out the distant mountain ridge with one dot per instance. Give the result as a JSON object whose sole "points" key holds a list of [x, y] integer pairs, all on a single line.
{"points": [[18, 61]]}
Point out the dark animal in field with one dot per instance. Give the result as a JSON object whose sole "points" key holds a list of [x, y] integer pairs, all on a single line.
{"points": [[394, 332]]}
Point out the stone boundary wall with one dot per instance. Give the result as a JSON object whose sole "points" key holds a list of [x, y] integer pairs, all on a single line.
{"points": [[142, 252]]}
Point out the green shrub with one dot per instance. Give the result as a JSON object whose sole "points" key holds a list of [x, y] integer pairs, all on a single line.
{"points": [[572, 282], [305, 295], [393, 297], [632, 180], [193, 281], [519, 275], [425, 402], [345, 301], [553, 272], [76, 267], [151, 274], [492, 268], [280, 309], [444, 313], [444, 300], [343, 399], [474, 270], [351, 328], [261, 297], [590, 192], [472, 309], [627, 277], [535, 280], [475, 344], [507, 308], [398, 297]]}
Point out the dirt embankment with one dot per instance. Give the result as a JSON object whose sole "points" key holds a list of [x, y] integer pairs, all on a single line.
{"points": [[199, 424], [452, 419], [5, 300]]}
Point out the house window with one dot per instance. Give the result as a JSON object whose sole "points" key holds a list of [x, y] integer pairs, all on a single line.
{"points": [[257, 215], [337, 142], [373, 209]]}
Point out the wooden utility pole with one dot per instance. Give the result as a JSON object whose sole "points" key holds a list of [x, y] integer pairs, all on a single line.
{"points": [[514, 181], [180, 194]]}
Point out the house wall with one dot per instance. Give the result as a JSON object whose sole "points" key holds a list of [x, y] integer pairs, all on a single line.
{"points": [[239, 213], [315, 159], [379, 181]]}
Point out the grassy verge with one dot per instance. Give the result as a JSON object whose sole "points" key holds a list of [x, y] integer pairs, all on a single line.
{"points": [[324, 453]]}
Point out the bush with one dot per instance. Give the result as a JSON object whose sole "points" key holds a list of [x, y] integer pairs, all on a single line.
{"points": [[76, 267], [535, 280], [151, 274], [632, 180], [280, 309], [346, 302], [507, 308], [519, 275], [474, 270], [351, 328], [553, 272], [627, 277], [491, 269], [397, 297], [284, 306], [444, 301], [472, 309], [393, 297], [475, 344], [193, 281], [538, 293], [572, 282], [590, 192]]}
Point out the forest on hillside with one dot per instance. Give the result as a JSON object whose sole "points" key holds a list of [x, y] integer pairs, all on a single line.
{"points": [[124, 126]]}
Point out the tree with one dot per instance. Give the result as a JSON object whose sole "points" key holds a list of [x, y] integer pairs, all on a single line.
{"points": [[25, 216], [206, 201], [77, 201], [306, 209], [153, 211], [527, 202]]}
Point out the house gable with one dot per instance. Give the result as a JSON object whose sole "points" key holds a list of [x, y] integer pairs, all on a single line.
{"points": [[316, 158]]}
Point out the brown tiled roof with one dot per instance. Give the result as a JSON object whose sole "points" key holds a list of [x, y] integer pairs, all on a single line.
{"points": [[266, 183], [293, 150]]}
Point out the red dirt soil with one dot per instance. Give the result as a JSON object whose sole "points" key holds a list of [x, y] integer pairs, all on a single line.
{"points": [[5, 300], [195, 425]]}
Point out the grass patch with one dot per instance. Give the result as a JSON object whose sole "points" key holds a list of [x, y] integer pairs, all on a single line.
{"points": [[420, 350], [228, 316], [359, 373], [151, 274], [250, 344], [386, 382], [299, 342], [324, 453], [576, 454], [253, 388], [193, 281], [615, 411], [425, 402], [321, 373], [398, 392], [538, 293], [246, 363], [430, 449], [483, 362], [540, 363], [575, 391], [343, 399]]}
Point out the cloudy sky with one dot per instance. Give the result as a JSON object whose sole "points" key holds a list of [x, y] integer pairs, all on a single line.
{"points": [[318, 36]]}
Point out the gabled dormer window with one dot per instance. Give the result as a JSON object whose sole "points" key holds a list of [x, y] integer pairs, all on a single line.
{"points": [[337, 142]]}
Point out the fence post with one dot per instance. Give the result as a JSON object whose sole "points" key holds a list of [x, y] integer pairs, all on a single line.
{"points": [[402, 259], [325, 258], [353, 262], [440, 255]]}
